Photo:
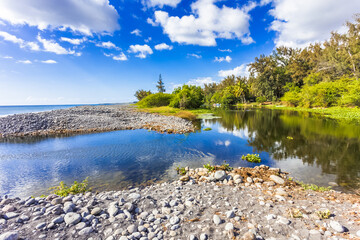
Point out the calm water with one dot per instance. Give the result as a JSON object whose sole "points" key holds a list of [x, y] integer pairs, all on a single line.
{"points": [[313, 150]]}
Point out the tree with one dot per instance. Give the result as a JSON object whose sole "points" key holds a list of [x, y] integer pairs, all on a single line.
{"points": [[160, 85], [187, 97], [140, 94]]}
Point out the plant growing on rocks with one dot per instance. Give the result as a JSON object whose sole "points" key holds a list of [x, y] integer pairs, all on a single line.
{"points": [[209, 167], [181, 170], [77, 187], [295, 213], [254, 158], [314, 187], [324, 214]]}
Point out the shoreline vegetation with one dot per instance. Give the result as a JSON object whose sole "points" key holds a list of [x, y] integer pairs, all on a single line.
{"points": [[214, 202]]}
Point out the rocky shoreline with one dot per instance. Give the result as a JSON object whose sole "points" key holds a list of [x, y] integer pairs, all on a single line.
{"points": [[241, 203], [87, 119]]}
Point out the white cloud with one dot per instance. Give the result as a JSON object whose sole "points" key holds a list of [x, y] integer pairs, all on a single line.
{"points": [[108, 45], [24, 61], [224, 50], [207, 23], [136, 32], [74, 41], [121, 57], [300, 23], [54, 47], [242, 70], [8, 57], [163, 46], [199, 82], [148, 39], [142, 50], [150, 21], [194, 55], [50, 61], [223, 59], [84, 16], [160, 3], [22, 43]]}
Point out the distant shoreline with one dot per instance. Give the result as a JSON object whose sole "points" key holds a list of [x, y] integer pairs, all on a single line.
{"points": [[87, 119]]}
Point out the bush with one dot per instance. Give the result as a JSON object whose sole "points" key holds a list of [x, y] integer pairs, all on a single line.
{"points": [[63, 190], [156, 100], [187, 97], [261, 99], [141, 94]]}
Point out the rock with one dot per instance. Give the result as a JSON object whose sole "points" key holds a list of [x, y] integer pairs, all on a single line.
{"points": [[229, 226], [29, 202], [86, 231], [203, 236], [134, 196], [230, 214], [8, 208], [174, 220], [113, 210], [281, 192], [249, 180], [9, 236], [41, 225], [192, 237], [337, 226], [56, 201], [220, 175], [248, 236], [69, 207], [277, 179], [72, 218], [216, 219], [283, 220], [358, 233], [96, 211], [132, 228], [58, 220], [10, 215], [80, 225], [184, 178]]}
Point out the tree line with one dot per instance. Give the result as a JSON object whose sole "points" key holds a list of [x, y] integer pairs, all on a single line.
{"points": [[320, 75]]}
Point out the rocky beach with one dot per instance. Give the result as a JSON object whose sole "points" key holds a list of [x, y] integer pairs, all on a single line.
{"points": [[241, 203], [87, 119]]}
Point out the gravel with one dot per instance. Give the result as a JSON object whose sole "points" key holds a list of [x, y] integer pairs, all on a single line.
{"points": [[85, 119], [219, 210]]}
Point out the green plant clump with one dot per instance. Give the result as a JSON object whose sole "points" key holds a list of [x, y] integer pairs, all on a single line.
{"points": [[209, 167], [63, 190], [181, 170], [314, 187], [226, 167], [207, 129], [156, 100], [325, 214], [254, 158]]}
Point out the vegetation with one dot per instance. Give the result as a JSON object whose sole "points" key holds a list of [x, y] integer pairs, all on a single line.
{"points": [[224, 166], [181, 170], [76, 188], [187, 97], [254, 158], [156, 100], [207, 129], [160, 85], [325, 214], [314, 187], [140, 94], [209, 167], [295, 213]]}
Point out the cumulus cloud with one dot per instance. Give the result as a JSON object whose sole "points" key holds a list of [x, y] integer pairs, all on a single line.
{"points": [[299, 23], [242, 70], [74, 41], [223, 59], [141, 50], [24, 61], [207, 23], [160, 3], [22, 43], [121, 57], [136, 32], [54, 47], [194, 55], [163, 46], [108, 45], [199, 82], [84, 16], [50, 61]]}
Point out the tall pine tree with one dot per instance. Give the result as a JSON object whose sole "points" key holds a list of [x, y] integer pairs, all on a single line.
{"points": [[160, 85]]}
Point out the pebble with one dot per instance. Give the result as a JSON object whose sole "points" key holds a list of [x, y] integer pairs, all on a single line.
{"points": [[9, 236], [41, 225], [229, 226], [72, 218], [203, 236], [216, 219], [174, 220], [220, 175], [86, 231], [96, 211], [277, 179], [337, 226]]}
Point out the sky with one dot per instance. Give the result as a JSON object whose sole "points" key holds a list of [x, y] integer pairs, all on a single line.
{"points": [[102, 51]]}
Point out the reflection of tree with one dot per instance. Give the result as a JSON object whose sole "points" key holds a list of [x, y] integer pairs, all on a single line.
{"points": [[332, 146]]}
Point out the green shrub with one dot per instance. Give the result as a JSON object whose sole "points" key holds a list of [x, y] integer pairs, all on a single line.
{"points": [[261, 99], [187, 97], [156, 100], [76, 188]]}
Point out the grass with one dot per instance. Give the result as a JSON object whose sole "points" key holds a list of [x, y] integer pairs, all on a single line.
{"points": [[77, 187], [314, 187], [295, 213], [225, 166], [325, 214], [254, 158], [207, 129], [345, 114], [170, 111], [181, 171]]}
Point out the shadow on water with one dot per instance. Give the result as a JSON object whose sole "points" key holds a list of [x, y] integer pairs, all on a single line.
{"points": [[313, 149]]}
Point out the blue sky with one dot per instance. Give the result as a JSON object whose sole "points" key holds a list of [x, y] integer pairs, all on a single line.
{"points": [[96, 51]]}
